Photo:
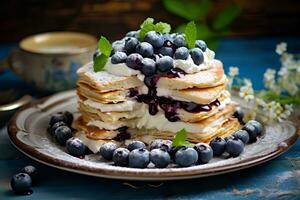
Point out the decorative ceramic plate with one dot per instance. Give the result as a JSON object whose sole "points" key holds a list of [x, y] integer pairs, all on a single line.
{"points": [[27, 131]]}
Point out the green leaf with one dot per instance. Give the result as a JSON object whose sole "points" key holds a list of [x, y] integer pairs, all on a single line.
{"points": [[148, 25], [191, 34], [104, 46], [99, 62], [180, 139], [226, 17], [162, 27], [190, 10]]}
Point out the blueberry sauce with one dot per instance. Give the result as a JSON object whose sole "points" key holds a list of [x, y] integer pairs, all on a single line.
{"points": [[123, 134], [168, 105]]}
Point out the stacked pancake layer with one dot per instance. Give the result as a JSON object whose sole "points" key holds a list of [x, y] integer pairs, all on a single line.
{"points": [[119, 104]]}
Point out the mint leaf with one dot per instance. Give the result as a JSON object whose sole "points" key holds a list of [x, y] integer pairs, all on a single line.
{"points": [[162, 27], [104, 46], [191, 34], [99, 62], [148, 25], [226, 17], [180, 139]]}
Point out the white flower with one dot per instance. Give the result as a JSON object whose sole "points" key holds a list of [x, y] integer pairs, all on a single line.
{"points": [[269, 78], [283, 72], [281, 48], [288, 107], [260, 102], [246, 92], [233, 71], [247, 82]]}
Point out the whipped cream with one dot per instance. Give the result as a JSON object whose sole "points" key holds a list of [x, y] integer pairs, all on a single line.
{"points": [[128, 105], [120, 69]]}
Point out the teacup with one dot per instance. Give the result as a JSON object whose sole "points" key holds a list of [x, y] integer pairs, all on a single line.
{"points": [[49, 61]]}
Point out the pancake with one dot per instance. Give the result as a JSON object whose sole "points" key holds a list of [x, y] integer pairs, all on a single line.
{"points": [[105, 81], [212, 77]]}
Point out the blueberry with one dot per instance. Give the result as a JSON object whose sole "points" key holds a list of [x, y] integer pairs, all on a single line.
{"points": [[107, 150], [68, 117], [201, 45], [173, 152], [130, 44], [251, 131], [58, 117], [55, 126], [132, 34], [136, 145], [62, 134], [21, 183], [205, 153], [228, 137], [118, 57], [149, 67], [179, 41], [75, 147], [134, 61], [139, 158], [145, 49], [197, 56], [234, 147], [218, 146], [164, 63], [31, 171], [258, 126], [160, 158], [242, 135], [239, 114], [181, 53], [186, 157], [154, 38], [166, 51], [161, 144], [120, 157]]}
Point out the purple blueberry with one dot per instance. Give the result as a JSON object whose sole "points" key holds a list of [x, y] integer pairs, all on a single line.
{"points": [[164, 63], [145, 49], [136, 145], [258, 126], [139, 158], [75, 147], [130, 44], [68, 117], [62, 134], [134, 61], [181, 53], [179, 41], [155, 39], [161, 144], [166, 51], [132, 34], [120, 157], [239, 114], [118, 57], [218, 146], [201, 45], [58, 117], [21, 184], [31, 171], [149, 67], [234, 146], [242, 135], [107, 150], [252, 131], [197, 56], [186, 156], [160, 158], [55, 126], [205, 153]]}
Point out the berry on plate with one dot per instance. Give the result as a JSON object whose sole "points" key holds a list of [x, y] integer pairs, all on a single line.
{"points": [[186, 157], [139, 158], [252, 131], [120, 157], [205, 153], [218, 146], [239, 114], [75, 147], [55, 126], [258, 126], [234, 146], [136, 145], [161, 144], [242, 135], [107, 150], [160, 158], [62, 134]]}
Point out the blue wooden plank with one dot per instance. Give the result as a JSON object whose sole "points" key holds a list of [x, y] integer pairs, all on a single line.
{"points": [[275, 179]]}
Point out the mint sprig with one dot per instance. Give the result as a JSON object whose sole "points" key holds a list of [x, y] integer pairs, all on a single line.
{"points": [[180, 139], [105, 48], [149, 25], [191, 34]]}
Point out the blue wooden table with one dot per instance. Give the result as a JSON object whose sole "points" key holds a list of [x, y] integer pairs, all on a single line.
{"points": [[277, 179]]}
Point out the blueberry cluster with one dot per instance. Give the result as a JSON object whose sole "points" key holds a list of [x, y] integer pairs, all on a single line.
{"points": [[22, 182], [160, 153], [234, 144], [60, 129], [156, 52]]}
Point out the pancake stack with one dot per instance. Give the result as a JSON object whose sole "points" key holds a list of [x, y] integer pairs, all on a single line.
{"points": [[120, 108]]}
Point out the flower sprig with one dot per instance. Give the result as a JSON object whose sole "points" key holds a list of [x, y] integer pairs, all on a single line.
{"points": [[275, 103]]}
